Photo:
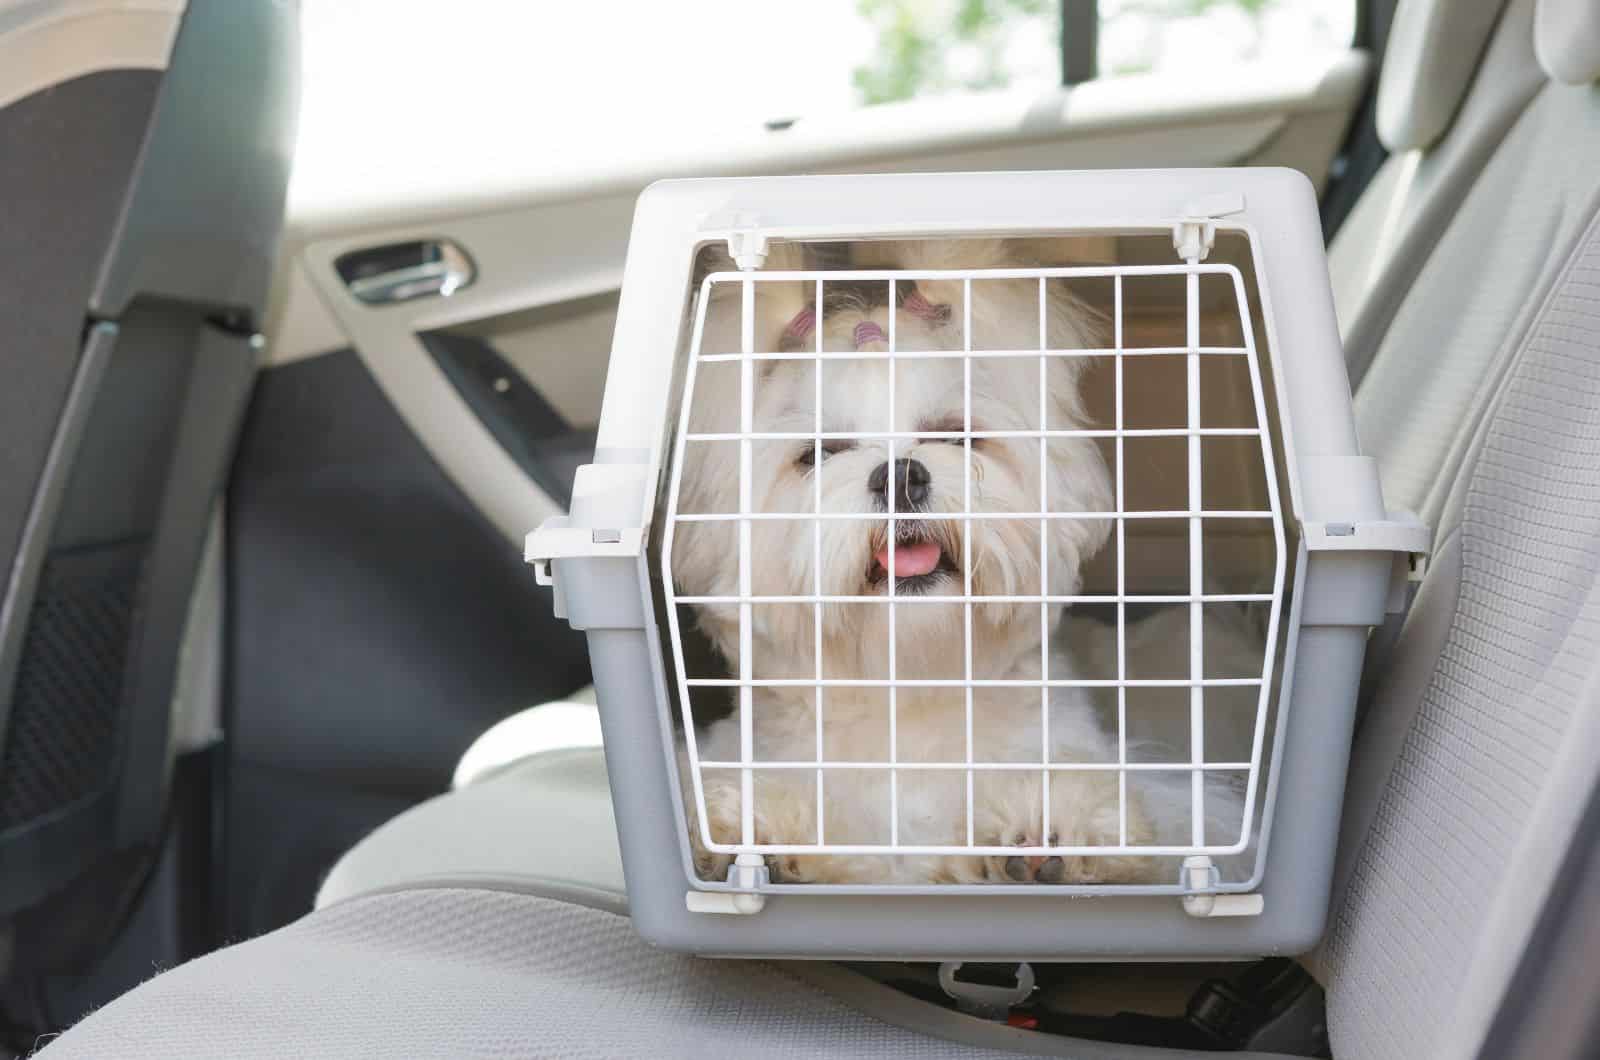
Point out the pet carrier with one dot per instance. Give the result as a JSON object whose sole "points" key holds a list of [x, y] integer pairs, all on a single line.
{"points": [[978, 566]]}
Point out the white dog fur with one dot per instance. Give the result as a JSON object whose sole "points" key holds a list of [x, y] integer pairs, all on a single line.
{"points": [[930, 641]]}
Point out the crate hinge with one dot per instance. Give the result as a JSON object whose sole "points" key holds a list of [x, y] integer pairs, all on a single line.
{"points": [[748, 248], [1199, 877], [1194, 235], [747, 241], [748, 873]]}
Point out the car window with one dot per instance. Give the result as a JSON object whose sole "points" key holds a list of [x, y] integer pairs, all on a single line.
{"points": [[923, 48], [608, 79], [1200, 36]]}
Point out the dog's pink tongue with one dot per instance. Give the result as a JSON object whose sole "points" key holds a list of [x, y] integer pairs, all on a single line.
{"points": [[911, 560]]}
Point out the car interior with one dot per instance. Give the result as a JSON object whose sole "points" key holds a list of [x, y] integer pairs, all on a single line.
{"points": [[296, 757]]}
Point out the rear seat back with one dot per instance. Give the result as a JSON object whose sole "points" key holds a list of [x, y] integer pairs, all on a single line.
{"points": [[1477, 759], [1456, 74], [1445, 353], [1480, 759]]}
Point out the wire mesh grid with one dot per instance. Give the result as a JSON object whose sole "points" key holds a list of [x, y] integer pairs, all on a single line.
{"points": [[745, 684]]}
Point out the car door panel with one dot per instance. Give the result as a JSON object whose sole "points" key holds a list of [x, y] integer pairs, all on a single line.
{"points": [[378, 623], [564, 243]]}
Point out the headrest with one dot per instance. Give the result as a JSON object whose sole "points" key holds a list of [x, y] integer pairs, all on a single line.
{"points": [[1434, 47], [1566, 37]]}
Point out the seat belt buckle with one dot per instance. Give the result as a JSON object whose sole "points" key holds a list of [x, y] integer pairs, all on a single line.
{"points": [[1222, 1013]]}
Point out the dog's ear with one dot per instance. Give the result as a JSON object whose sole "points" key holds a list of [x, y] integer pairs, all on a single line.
{"points": [[785, 317], [1073, 324]]}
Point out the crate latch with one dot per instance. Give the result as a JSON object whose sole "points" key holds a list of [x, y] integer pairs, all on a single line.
{"points": [[1402, 533], [1199, 877], [1194, 235], [555, 539], [749, 873]]}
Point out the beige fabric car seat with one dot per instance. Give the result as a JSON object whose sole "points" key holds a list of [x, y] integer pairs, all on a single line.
{"points": [[1456, 74]]}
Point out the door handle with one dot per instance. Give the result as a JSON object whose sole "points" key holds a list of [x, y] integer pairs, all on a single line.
{"points": [[400, 272]]}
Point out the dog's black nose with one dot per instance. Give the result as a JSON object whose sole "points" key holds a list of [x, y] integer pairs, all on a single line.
{"points": [[911, 481]]}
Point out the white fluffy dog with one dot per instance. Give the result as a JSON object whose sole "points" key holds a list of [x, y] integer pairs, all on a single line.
{"points": [[934, 561]]}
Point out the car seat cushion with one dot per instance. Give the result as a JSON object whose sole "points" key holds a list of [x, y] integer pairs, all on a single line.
{"points": [[479, 973], [542, 824]]}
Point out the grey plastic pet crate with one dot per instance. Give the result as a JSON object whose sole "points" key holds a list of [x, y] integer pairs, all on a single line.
{"points": [[1234, 266]]}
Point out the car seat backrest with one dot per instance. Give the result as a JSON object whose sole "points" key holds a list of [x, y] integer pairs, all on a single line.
{"points": [[141, 225], [1456, 74], [1429, 63], [1567, 39], [1470, 305], [1478, 756], [68, 150]]}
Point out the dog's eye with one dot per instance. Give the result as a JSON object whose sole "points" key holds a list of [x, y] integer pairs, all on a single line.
{"points": [[952, 432], [807, 456]]}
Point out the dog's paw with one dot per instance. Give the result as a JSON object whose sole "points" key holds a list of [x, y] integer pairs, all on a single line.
{"points": [[786, 868], [781, 868], [1066, 868], [722, 821], [708, 864], [722, 810], [1103, 827], [1024, 868], [1085, 813]]}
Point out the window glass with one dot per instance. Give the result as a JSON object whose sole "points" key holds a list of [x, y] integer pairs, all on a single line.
{"points": [[404, 90], [928, 47], [1204, 36]]}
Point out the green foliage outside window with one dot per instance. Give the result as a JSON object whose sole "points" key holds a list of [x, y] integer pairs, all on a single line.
{"points": [[925, 47]]}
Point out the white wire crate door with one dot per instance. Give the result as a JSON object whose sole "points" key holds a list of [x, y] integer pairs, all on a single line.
{"points": [[842, 789]]}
